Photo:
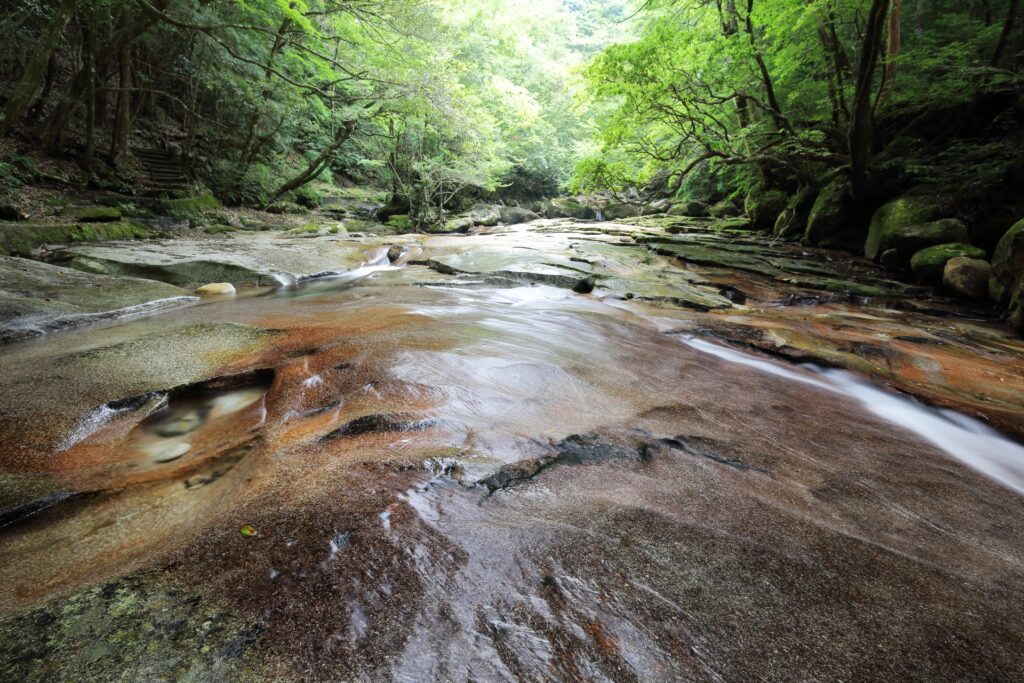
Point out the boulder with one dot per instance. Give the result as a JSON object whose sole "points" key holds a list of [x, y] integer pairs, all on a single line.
{"points": [[791, 223], [216, 289], [967, 277], [485, 214], [929, 264], [910, 224], [97, 214], [763, 207], [1015, 310], [459, 223], [513, 215], [657, 207], [568, 208], [618, 210], [689, 209], [1008, 264], [831, 221], [725, 209]]}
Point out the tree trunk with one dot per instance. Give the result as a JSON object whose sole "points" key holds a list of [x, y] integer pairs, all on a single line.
{"points": [[766, 78], [57, 122], [892, 50], [862, 123], [24, 93], [1011, 16], [123, 115], [89, 48], [317, 166]]}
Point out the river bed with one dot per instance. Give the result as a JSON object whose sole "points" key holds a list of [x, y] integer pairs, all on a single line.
{"points": [[456, 467]]}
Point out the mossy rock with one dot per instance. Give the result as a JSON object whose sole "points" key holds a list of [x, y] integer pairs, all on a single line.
{"points": [[619, 210], [400, 222], [20, 239], [928, 264], [454, 224], [763, 207], [897, 225], [308, 230], [1008, 263], [689, 209], [219, 229], [831, 221], [568, 208], [189, 206], [724, 209], [97, 214], [791, 223]]}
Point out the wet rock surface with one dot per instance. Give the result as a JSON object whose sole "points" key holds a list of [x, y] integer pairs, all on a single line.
{"points": [[561, 450], [36, 298]]}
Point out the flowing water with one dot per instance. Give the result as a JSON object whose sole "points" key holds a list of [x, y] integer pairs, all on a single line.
{"points": [[391, 475]]}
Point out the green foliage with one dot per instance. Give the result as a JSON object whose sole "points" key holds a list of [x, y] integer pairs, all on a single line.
{"points": [[702, 90]]}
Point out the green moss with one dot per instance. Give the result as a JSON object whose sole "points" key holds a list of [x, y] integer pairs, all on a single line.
{"points": [[97, 214], [190, 206], [828, 223], [401, 222], [892, 218], [20, 239], [929, 263], [1008, 260], [219, 228]]}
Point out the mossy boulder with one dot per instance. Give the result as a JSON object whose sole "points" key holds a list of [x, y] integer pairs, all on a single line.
{"points": [[513, 215], [568, 208], [183, 208], [219, 228], [724, 209], [967, 277], [485, 214], [616, 211], [1008, 264], [763, 207], [691, 209], [791, 223], [832, 220], [455, 224], [928, 264], [910, 224], [400, 222], [1015, 309], [20, 239], [97, 214]]}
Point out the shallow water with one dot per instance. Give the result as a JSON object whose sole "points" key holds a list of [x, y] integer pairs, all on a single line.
{"points": [[397, 477]]}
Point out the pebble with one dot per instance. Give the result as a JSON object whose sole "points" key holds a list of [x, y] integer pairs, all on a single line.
{"points": [[216, 289]]}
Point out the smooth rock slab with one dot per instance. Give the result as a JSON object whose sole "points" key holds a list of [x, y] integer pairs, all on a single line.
{"points": [[37, 297], [258, 259]]}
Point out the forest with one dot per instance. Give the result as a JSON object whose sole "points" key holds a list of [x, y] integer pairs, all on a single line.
{"points": [[773, 104], [511, 340]]}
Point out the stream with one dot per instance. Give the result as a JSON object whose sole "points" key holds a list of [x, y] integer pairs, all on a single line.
{"points": [[718, 465]]}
